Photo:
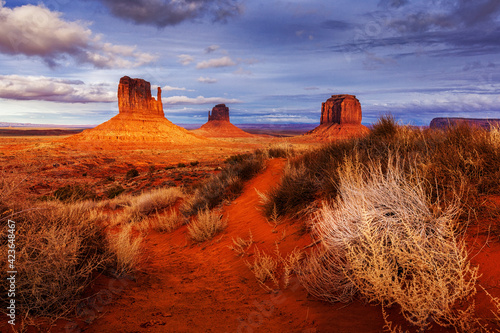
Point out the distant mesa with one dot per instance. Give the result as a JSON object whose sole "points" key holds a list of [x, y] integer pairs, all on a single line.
{"points": [[442, 123], [140, 119], [340, 118], [219, 126]]}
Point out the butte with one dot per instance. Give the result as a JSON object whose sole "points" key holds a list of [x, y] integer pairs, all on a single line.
{"points": [[219, 126], [140, 119], [340, 119]]}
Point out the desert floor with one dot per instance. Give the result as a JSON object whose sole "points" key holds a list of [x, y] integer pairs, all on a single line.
{"points": [[185, 287]]}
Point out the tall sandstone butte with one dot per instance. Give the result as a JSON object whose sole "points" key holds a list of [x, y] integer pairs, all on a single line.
{"points": [[140, 120], [341, 109], [340, 119], [219, 112], [134, 96]]}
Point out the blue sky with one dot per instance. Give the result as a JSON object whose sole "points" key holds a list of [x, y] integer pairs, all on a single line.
{"points": [[269, 61]]}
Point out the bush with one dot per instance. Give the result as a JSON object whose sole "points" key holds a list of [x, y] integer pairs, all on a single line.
{"points": [[125, 249], [114, 191], [70, 193], [194, 163], [132, 173], [206, 225], [59, 246], [169, 222], [382, 241], [181, 165]]}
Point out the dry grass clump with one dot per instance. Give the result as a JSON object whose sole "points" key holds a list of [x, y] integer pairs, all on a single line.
{"points": [[225, 185], [168, 222], [125, 249], [240, 245], [206, 225], [58, 248], [383, 242], [264, 267], [147, 203], [281, 149]]}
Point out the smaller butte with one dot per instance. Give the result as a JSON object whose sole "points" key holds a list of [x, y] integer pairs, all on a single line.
{"points": [[219, 126], [340, 119]]}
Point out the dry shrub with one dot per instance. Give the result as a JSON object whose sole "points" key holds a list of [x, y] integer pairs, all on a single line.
{"points": [[382, 241], [206, 225], [168, 222], [126, 249], [58, 248], [147, 203], [225, 185], [281, 149], [240, 245], [264, 267]]}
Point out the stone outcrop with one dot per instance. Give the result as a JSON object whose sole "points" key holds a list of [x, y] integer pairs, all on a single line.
{"points": [[140, 120], [134, 96], [442, 123], [340, 119], [219, 126], [220, 112], [341, 109]]}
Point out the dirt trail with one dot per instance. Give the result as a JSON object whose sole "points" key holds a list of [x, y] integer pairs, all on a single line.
{"points": [[186, 287]]}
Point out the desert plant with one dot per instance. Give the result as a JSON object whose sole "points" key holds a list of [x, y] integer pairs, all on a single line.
{"points": [[74, 193], [264, 267], [168, 222], [114, 191], [132, 173], [206, 225], [240, 245], [382, 241], [125, 248], [59, 247]]}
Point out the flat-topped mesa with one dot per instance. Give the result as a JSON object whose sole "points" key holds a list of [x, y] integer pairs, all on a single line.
{"points": [[220, 112], [341, 109], [134, 97]]}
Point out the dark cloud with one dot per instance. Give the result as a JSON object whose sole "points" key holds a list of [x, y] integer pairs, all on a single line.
{"points": [[161, 13], [392, 3]]}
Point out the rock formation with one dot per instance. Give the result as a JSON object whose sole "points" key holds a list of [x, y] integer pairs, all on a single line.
{"points": [[340, 118], [341, 109], [219, 112], [140, 119], [218, 125], [442, 123], [134, 96]]}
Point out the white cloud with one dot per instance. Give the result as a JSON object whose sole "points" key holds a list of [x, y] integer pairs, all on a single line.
{"points": [[185, 59], [207, 80], [37, 31], [170, 88], [176, 100], [217, 62], [42, 88]]}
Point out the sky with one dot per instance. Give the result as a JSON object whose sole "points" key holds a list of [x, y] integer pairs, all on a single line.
{"points": [[268, 61]]}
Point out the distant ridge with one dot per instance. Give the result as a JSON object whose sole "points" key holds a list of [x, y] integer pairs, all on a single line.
{"points": [[443, 122]]}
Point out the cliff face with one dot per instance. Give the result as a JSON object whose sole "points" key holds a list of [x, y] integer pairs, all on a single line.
{"points": [[134, 97], [220, 112], [341, 109], [442, 123]]}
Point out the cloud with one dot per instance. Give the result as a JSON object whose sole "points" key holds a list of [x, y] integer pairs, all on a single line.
{"points": [[35, 31], [336, 25], [170, 88], [185, 59], [162, 13], [41, 88], [212, 48], [214, 63], [184, 100], [207, 80]]}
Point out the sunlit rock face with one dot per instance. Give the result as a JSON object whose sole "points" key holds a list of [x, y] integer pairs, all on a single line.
{"points": [[220, 112], [341, 109], [340, 119], [134, 97]]}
